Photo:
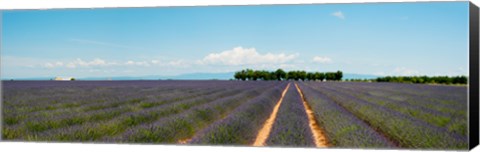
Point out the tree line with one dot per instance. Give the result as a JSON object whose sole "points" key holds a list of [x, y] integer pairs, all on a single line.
{"points": [[279, 75], [425, 79], [418, 79]]}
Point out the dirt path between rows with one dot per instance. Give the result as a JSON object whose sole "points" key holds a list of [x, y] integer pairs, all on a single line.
{"points": [[318, 134], [267, 126]]}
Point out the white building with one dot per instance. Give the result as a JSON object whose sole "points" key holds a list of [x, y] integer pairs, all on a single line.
{"points": [[63, 78]]}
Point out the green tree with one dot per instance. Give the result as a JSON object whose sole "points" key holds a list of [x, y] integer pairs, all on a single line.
{"points": [[319, 76], [273, 76], [243, 75], [292, 75], [302, 75], [249, 74], [311, 76], [281, 75], [255, 75], [338, 75], [237, 75], [330, 76]]}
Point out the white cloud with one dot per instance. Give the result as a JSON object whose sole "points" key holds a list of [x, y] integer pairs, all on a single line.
{"points": [[71, 65], [163, 63], [94, 70], [15, 61], [319, 59], [178, 63], [138, 63], [49, 65], [78, 63], [399, 71], [95, 63], [338, 14], [287, 66], [130, 63], [81, 63], [155, 62], [53, 65], [246, 56]]}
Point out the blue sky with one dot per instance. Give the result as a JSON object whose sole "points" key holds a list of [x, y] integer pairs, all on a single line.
{"points": [[376, 38]]}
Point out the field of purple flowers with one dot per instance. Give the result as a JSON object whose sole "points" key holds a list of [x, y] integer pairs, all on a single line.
{"points": [[391, 114], [291, 125], [104, 111], [351, 114]]}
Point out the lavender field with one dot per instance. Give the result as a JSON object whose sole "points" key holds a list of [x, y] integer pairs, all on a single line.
{"points": [[273, 113]]}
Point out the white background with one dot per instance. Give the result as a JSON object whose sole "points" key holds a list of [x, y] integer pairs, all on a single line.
{"points": [[87, 147]]}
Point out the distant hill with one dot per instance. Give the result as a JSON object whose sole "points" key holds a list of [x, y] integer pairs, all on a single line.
{"points": [[203, 76], [32, 78], [209, 76], [190, 76]]}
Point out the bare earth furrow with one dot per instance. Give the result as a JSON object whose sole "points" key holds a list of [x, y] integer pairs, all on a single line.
{"points": [[267, 127], [318, 134]]}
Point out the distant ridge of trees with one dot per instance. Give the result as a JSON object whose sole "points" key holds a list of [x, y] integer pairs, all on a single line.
{"points": [[425, 79], [280, 75], [297, 75], [418, 79]]}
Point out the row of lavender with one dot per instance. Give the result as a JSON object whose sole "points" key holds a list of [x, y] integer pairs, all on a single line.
{"points": [[186, 125], [342, 127], [113, 102], [442, 106], [390, 115], [291, 125], [122, 111], [242, 126]]}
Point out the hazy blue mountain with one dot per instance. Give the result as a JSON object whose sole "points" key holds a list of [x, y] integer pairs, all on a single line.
{"points": [[358, 76], [204, 76], [32, 78], [190, 76]]}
